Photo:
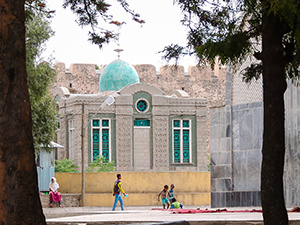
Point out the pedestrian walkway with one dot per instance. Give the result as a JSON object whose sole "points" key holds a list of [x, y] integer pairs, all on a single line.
{"points": [[151, 215]]}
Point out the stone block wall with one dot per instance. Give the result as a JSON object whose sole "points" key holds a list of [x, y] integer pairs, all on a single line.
{"points": [[199, 82], [85, 78], [80, 78], [242, 187], [243, 92], [235, 146], [247, 145], [291, 177], [67, 200], [147, 73]]}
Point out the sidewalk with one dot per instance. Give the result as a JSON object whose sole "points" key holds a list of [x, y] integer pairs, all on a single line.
{"points": [[147, 215]]}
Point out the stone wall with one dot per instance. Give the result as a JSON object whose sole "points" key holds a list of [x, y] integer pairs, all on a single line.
{"points": [[235, 171], [242, 92], [67, 200], [292, 153], [80, 78], [199, 82], [236, 142]]}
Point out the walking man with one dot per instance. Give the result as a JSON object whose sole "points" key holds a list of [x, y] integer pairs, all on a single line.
{"points": [[117, 191]]}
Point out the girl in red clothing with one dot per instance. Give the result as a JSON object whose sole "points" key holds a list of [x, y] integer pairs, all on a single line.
{"points": [[54, 194]]}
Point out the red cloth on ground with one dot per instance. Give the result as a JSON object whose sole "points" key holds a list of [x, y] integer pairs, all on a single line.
{"points": [[295, 209], [209, 210], [55, 197]]}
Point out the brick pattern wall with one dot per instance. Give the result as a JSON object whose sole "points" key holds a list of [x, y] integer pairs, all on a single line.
{"points": [[243, 92]]}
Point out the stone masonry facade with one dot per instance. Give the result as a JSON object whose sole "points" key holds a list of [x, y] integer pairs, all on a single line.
{"points": [[199, 82], [191, 94]]}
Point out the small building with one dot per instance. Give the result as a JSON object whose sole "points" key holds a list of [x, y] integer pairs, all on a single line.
{"points": [[145, 129], [45, 165]]}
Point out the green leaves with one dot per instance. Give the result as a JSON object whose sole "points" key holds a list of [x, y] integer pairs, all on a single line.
{"points": [[173, 52], [39, 78], [231, 31], [94, 12], [65, 166], [101, 165], [223, 29]]}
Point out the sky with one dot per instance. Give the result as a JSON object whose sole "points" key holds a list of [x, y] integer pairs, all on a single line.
{"points": [[141, 44]]}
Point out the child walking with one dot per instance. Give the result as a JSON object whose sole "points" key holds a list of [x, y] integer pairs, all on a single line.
{"points": [[172, 193], [117, 190], [164, 193]]}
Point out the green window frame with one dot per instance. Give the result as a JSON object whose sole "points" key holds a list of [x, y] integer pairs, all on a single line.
{"points": [[181, 141], [141, 123], [101, 138]]}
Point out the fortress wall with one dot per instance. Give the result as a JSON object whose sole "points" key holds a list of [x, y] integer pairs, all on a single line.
{"points": [[171, 77], [85, 78], [220, 72], [147, 73], [198, 82], [200, 73], [60, 76]]}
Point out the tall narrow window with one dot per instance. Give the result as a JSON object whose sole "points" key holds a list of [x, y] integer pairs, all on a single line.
{"points": [[101, 140], [71, 139], [181, 141]]}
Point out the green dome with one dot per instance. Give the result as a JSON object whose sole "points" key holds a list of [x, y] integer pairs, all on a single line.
{"points": [[116, 75]]}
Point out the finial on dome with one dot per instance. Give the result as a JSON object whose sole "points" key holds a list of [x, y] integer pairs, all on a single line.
{"points": [[119, 50]]}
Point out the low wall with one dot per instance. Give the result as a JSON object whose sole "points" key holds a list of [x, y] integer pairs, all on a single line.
{"points": [[191, 188], [68, 200]]}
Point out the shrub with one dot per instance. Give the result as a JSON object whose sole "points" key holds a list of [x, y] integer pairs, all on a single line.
{"points": [[101, 165], [65, 166]]}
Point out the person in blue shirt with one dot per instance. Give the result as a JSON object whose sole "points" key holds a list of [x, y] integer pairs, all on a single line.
{"points": [[175, 204], [172, 193], [117, 191]]}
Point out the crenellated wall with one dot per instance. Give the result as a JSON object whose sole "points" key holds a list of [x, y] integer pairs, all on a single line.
{"points": [[198, 82], [80, 78]]}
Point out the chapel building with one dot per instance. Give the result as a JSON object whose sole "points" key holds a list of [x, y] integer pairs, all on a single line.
{"points": [[141, 120]]}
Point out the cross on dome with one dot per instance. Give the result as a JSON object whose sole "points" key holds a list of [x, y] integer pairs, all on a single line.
{"points": [[119, 50]]}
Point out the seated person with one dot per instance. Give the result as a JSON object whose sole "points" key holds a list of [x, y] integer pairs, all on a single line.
{"points": [[175, 204], [54, 194]]}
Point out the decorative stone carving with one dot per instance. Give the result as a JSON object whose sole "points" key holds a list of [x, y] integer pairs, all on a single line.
{"points": [[160, 142], [124, 142]]}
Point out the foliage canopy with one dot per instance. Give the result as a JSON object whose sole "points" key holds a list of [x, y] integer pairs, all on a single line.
{"points": [[231, 31], [40, 75]]}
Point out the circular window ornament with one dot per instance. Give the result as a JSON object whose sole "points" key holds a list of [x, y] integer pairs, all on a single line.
{"points": [[142, 105]]}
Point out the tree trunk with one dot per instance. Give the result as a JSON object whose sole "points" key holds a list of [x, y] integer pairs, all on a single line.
{"points": [[19, 197], [274, 84]]}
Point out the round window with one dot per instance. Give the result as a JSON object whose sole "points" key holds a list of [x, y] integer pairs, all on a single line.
{"points": [[142, 105]]}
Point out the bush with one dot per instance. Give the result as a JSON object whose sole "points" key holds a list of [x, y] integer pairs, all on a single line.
{"points": [[101, 165], [65, 166]]}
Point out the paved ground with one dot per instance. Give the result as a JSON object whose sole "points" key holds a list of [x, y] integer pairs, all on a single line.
{"points": [[149, 215]]}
